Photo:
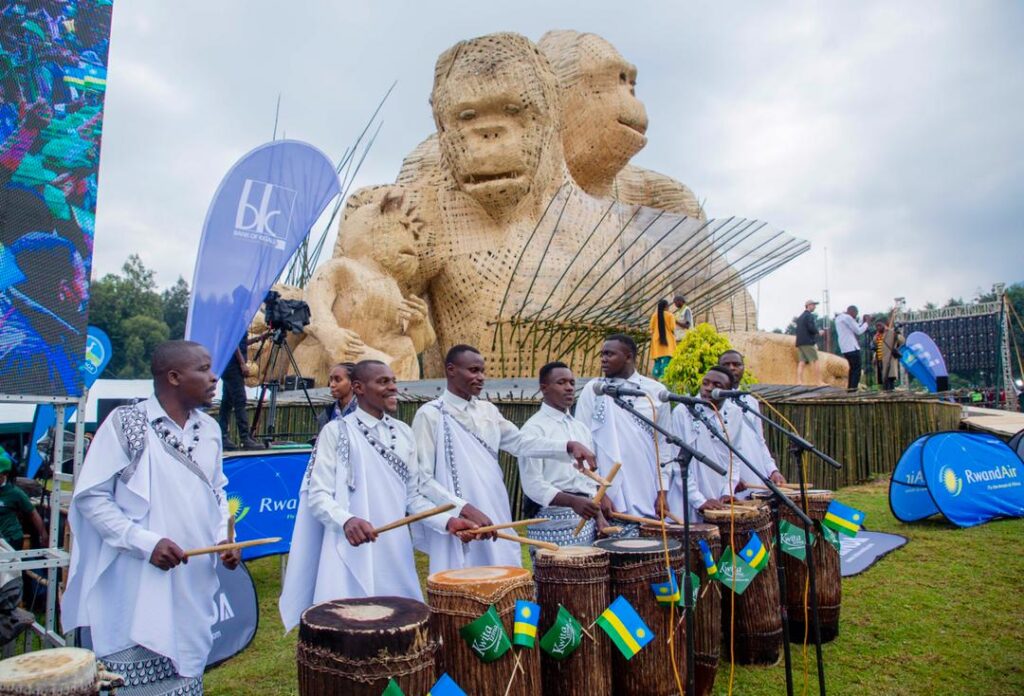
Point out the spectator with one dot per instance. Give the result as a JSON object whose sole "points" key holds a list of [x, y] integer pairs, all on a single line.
{"points": [[339, 380], [232, 399], [663, 339], [849, 331], [683, 316], [806, 342], [886, 355]]}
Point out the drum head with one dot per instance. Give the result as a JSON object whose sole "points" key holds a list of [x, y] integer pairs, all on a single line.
{"points": [[480, 576], [361, 627], [641, 545], [568, 553], [59, 670]]}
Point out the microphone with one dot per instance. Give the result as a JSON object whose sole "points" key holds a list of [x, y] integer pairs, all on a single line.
{"points": [[615, 392], [727, 393], [667, 396]]}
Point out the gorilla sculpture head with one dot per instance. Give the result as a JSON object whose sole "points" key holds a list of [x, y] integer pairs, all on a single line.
{"points": [[496, 108], [603, 123]]}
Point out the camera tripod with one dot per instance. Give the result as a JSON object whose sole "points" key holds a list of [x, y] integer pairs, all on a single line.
{"points": [[278, 339]]}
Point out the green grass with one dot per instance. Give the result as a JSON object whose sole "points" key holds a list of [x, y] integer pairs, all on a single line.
{"points": [[942, 615]]}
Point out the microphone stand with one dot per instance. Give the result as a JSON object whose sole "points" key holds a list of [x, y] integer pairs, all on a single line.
{"points": [[777, 497], [797, 446], [687, 453]]}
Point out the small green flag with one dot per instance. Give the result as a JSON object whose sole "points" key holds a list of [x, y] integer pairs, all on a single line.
{"points": [[695, 584], [393, 689], [830, 536], [792, 540], [728, 566], [564, 636], [486, 636]]}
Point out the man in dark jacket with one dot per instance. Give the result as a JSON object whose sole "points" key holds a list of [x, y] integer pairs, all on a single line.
{"points": [[806, 342]]}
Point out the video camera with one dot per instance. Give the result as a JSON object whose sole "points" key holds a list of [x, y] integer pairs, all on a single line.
{"points": [[285, 315]]}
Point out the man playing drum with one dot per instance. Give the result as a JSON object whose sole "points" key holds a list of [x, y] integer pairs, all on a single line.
{"points": [[362, 474], [751, 442], [620, 437], [457, 438], [152, 485], [563, 493], [707, 489]]}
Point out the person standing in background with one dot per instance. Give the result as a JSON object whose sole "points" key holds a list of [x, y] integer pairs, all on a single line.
{"points": [[232, 399], [663, 338], [806, 342], [683, 316], [849, 332], [339, 381]]}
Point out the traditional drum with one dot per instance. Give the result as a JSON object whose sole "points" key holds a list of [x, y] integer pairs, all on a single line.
{"points": [[458, 597], [352, 647], [56, 672], [707, 615], [577, 578], [634, 565], [758, 635], [827, 575]]}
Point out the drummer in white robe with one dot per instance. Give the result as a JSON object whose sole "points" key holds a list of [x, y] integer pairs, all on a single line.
{"points": [[707, 489], [458, 437], [362, 475], [621, 437], [752, 443], [564, 494], [152, 484]]}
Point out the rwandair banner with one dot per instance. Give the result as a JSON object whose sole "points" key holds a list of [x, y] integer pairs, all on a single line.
{"points": [[263, 495], [970, 478], [262, 211], [923, 359]]}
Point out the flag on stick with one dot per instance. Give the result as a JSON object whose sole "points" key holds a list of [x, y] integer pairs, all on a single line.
{"points": [[666, 592], [791, 540], [524, 630], [446, 686], [564, 636], [486, 636], [709, 560], [392, 689], [754, 553], [830, 536], [625, 627], [734, 573], [843, 518]]}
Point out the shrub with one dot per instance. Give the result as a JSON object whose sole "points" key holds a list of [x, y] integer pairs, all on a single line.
{"points": [[698, 351]]}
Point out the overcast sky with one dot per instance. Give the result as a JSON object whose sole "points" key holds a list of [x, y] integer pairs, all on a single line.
{"points": [[891, 134]]}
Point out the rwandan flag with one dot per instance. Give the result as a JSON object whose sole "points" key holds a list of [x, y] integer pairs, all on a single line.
{"points": [[524, 630], [87, 77], [709, 560], [446, 686], [666, 592], [625, 627], [754, 553], [843, 518]]}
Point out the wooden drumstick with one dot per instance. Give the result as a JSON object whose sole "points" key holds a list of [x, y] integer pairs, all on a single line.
{"points": [[231, 547], [612, 529], [529, 542], [508, 525], [600, 494], [409, 519], [637, 519], [231, 529], [597, 478]]}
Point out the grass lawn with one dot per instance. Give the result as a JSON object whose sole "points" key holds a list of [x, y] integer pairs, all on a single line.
{"points": [[942, 615]]}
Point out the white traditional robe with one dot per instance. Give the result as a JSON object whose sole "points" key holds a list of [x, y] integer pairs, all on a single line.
{"points": [[753, 445], [458, 442], [703, 483], [135, 489], [353, 472], [621, 437]]}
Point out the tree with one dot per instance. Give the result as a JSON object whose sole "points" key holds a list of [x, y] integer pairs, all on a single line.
{"points": [[694, 356], [136, 316], [175, 300]]}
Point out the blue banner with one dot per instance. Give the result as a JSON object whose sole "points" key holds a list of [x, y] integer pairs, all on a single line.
{"points": [[970, 478], [262, 211], [97, 355], [263, 495], [922, 359]]}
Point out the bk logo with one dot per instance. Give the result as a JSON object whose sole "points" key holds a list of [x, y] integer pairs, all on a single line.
{"points": [[264, 212]]}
